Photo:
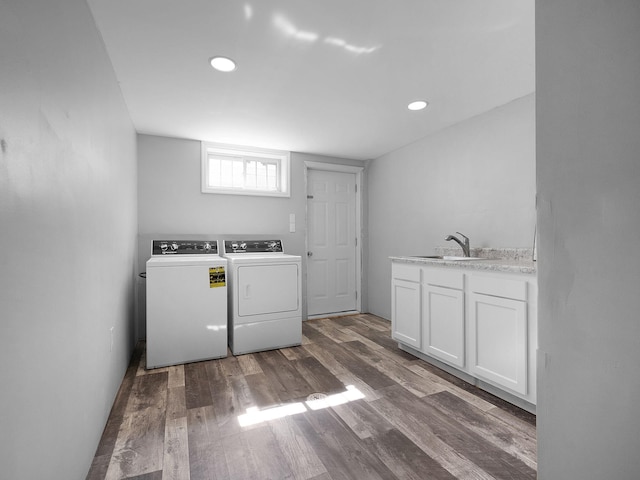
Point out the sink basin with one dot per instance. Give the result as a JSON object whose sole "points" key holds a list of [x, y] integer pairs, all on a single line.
{"points": [[448, 257]]}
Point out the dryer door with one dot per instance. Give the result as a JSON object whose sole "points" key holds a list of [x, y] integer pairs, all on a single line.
{"points": [[268, 288]]}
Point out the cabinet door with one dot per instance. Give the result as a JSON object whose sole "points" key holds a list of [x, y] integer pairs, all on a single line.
{"points": [[498, 341], [405, 312], [443, 319]]}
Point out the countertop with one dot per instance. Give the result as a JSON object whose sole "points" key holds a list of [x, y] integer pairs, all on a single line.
{"points": [[510, 260]]}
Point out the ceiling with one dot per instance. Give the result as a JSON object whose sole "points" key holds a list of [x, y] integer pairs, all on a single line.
{"points": [[328, 77]]}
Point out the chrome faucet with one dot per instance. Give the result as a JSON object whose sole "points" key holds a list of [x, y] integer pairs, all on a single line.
{"points": [[464, 244]]}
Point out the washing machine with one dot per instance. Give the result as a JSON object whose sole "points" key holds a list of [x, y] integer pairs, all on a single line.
{"points": [[265, 296], [186, 302]]}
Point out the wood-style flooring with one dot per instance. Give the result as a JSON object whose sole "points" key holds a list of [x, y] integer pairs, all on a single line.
{"points": [[347, 404]]}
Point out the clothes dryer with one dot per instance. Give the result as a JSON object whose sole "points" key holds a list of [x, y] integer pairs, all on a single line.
{"points": [[265, 296]]}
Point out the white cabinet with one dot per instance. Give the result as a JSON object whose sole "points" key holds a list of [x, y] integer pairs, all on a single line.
{"points": [[406, 324], [480, 324], [443, 315]]}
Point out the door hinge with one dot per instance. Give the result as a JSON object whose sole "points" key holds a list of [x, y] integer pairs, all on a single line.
{"points": [[356, 241], [356, 188]]}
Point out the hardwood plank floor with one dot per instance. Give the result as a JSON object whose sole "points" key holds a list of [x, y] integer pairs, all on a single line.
{"points": [[347, 404]]}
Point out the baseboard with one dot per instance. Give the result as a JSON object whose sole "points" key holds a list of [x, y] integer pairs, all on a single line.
{"points": [[333, 315]]}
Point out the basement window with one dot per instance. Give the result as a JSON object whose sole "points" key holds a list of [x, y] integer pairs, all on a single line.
{"points": [[245, 170]]}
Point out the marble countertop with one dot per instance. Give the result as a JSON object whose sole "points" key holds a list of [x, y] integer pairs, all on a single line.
{"points": [[511, 260]]}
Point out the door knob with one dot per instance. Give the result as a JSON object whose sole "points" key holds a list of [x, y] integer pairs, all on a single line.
{"points": [[309, 254]]}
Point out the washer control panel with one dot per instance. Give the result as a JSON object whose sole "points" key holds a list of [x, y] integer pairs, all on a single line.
{"points": [[253, 246], [184, 247]]}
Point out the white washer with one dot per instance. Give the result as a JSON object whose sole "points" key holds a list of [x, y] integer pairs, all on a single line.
{"points": [[186, 303], [265, 300]]}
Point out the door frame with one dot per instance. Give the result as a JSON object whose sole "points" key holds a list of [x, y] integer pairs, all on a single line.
{"points": [[358, 171]]}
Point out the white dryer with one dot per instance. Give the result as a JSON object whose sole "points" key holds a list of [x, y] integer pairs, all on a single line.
{"points": [[265, 296], [186, 303]]}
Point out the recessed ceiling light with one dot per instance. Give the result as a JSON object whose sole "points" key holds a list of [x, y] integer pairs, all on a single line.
{"points": [[223, 64], [417, 105]]}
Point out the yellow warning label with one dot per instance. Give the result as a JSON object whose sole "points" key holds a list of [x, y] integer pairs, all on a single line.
{"points": [[216, 277]]}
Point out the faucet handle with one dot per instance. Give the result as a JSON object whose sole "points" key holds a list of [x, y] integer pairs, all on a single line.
{"points": [[463, 236]]}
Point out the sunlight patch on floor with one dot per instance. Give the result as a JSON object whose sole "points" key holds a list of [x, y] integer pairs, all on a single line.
{"points": [[254, 415]]}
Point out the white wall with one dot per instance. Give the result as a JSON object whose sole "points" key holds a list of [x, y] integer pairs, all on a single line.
{"points": [[476, 177], [67, 238], [170, 204], [588, 171]]}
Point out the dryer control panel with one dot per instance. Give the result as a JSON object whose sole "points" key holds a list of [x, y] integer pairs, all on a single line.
{"points": [[253, 246], [184, 247]]}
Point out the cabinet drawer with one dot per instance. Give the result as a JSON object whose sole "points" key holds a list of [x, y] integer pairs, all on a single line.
{"points": [[443, 278], [499, 287], [402, 271]]}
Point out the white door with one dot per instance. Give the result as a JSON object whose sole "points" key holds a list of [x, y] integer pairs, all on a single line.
{"points": [[331, 256]]}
